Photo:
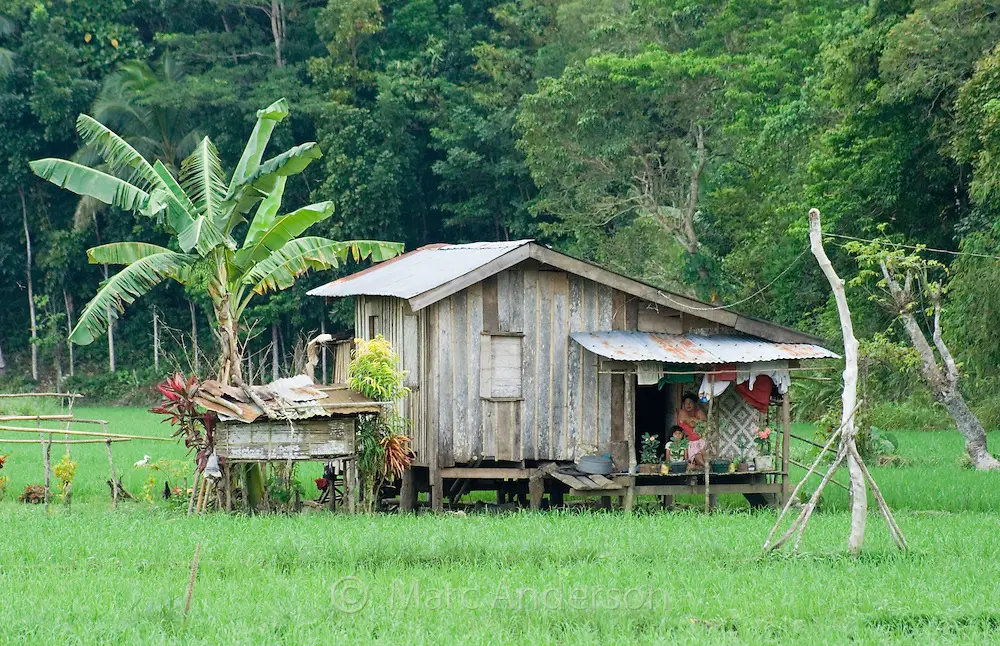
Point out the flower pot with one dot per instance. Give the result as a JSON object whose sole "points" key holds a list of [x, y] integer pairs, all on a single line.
{"points": [[732, 467], [719, 466], [742, 467], [649, 468], [678, 466], [764, 462]]}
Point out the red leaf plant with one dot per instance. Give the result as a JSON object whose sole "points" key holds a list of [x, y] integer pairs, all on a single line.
{"points": [[179, 407]]}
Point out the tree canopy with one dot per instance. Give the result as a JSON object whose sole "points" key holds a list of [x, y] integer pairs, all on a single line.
{"points": [[679, 142]]}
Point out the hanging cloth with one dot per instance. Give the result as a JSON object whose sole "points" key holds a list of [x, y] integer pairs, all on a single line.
{"points": [[648, 372], [759, 395], [711, 389]]}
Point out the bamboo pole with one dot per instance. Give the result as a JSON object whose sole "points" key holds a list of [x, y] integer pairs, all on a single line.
{"points": [[12, 441], [15, 395], [786, 432], [708, 462], [22, 429]]}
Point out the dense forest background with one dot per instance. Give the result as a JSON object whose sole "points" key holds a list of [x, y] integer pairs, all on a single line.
{"points": [[677, 141]]}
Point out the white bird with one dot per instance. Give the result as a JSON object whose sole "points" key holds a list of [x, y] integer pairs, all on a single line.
{"points": [[141, 463]]}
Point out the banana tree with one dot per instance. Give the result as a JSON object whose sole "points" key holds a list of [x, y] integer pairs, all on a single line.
{"points": [[203, 211]]}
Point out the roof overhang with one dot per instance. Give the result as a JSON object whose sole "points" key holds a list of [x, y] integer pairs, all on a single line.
{"points": [[429, 274], [628, 345]]}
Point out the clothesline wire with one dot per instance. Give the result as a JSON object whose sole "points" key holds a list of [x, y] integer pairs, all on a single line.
{"points": [[760, 291], [910, 246]]}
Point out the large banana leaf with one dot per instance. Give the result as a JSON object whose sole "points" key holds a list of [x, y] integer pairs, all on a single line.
{"points": [[292, 161], [280, 269], [124, 288], [87, 181], [180, 210], [266, 212], [117, 152], [123, 253], [267, 119], [202, 235], [281, 230], [202, 179]]}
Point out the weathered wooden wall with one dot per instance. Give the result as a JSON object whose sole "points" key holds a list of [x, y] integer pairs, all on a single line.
{"points": [[565, 408], [391, 317], [312, 439]]}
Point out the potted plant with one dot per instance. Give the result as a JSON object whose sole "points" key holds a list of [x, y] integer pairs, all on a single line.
{"points": [[719, 465], [676, 451], [743, 459], [764, 461], [649, 456]]}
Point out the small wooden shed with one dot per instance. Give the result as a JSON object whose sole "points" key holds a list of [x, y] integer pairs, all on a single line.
{"points": [[508, 370], [291, 419]]}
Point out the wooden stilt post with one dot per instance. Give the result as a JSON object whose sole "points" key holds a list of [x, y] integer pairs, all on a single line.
{"points": [[227, 481], [437, 487], [407, 492], [245, 489], [786, 423], [536, 490], [350, 485]]}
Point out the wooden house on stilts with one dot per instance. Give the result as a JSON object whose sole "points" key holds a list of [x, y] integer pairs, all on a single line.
{"points": [[520, 360]]}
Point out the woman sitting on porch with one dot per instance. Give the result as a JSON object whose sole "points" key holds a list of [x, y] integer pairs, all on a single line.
{"points": [[687, 418]]}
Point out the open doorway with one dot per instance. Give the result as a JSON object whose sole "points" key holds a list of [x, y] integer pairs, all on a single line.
{"points": [[654, 413]]}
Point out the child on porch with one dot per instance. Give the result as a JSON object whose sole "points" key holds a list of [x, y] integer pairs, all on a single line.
{"points": [[694, 449]]}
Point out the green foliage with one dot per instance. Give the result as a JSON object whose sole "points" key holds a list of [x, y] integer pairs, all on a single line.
{"points": [[374, 372], [650, 450]]}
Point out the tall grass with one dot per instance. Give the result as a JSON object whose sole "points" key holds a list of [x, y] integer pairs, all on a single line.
{"points": [[89, 575]]}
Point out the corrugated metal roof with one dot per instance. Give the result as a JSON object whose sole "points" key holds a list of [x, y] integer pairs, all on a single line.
{"points": [[418, 271], [627, 345], [292, 398]]}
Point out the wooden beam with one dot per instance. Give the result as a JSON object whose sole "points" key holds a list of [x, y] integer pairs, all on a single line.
{"points": [[486, 473], [679, 489]]}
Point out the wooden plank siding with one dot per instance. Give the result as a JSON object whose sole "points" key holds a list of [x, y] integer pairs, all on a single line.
{"points": [[558, 406], [468, 403]]}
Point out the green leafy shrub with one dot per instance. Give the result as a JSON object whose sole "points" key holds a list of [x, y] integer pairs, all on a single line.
{"points": [[383, 439]]}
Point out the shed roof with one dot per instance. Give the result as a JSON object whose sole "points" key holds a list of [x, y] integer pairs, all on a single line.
{"points": [[431, 273], [418, 271], [292, 398], [628, 345]]}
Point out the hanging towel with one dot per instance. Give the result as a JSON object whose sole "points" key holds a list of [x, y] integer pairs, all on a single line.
{"points": [[776, 370], [648, 372]]}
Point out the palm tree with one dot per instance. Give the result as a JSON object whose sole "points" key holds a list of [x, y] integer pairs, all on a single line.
{"points": [[201, 210]]}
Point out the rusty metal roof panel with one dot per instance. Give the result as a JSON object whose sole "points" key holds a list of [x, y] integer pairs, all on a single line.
{"points": [[419, 270], [292, 398], [629, 345]]}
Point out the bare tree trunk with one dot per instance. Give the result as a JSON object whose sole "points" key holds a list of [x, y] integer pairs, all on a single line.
{"points": [[111, 332], [849, 399], [31, 288], [194, 334], [690, 238], [274, 352], [107, 311], [156, 342], [943, 381], [68, 302], [3, 364], [278, 29]]}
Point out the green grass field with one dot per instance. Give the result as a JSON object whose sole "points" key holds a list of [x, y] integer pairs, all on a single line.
{"points": [[87, 575]]}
